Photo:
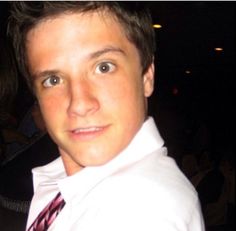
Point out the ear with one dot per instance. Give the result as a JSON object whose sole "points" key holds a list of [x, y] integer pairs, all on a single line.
{"points": [[148, 80]]}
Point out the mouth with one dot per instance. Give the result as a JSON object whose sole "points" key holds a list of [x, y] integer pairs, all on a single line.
{"points": [[87, 130], [88, 133]]}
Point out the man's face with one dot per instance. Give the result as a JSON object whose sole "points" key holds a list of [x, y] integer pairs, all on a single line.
{"points": [[89, 84]]}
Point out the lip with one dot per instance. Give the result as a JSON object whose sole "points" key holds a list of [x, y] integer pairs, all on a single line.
{"points": [[88, 133]]}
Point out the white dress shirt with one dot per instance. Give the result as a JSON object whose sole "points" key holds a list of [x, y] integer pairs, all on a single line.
{"points": [[139, 190]]}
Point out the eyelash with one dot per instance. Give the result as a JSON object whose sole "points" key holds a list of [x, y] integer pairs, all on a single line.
{"points": [[47, 83], [109, 65]]}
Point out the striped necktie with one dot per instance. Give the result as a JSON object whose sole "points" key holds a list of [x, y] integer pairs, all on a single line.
{"points": [[48, 214]]}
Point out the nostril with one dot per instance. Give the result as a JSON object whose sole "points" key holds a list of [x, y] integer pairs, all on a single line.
{"points": [[83, 105]]}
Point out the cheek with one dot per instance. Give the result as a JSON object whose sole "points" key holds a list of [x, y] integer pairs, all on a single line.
{"points": [[50, 108], [117, 96], [51, 99], [126, 97]]}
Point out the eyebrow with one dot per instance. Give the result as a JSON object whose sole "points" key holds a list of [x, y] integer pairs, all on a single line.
{"points": [[42, 74], [92, 55], [105, 50]]}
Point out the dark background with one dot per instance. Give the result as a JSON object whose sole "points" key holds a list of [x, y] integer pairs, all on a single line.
{"points": [[193, 111]]}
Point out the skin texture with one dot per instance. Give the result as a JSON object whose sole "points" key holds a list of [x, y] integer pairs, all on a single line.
{"points": [[88, 80]]}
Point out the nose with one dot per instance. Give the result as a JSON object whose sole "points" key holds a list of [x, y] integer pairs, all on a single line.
{"points": [[83, 100]]}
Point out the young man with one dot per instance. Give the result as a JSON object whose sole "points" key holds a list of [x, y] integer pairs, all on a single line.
{"points": [[90, 65]]}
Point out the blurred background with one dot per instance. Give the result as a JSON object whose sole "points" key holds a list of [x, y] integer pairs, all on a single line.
{"points": [[193, 106], [195, 70]]}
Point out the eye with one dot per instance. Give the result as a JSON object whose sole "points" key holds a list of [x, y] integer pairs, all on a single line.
{"points": [[52, 81], [105, 67]]}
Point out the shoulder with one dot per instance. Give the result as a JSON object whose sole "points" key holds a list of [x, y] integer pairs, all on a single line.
{"points": [[152, 190], [154, 173]]}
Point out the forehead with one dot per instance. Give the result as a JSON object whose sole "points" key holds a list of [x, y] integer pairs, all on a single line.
{"points": [[75, 35], [81, 28], [71, 23]]}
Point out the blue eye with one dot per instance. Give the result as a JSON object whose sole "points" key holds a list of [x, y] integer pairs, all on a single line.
{"points": [[52, 81], [105, 67]]}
